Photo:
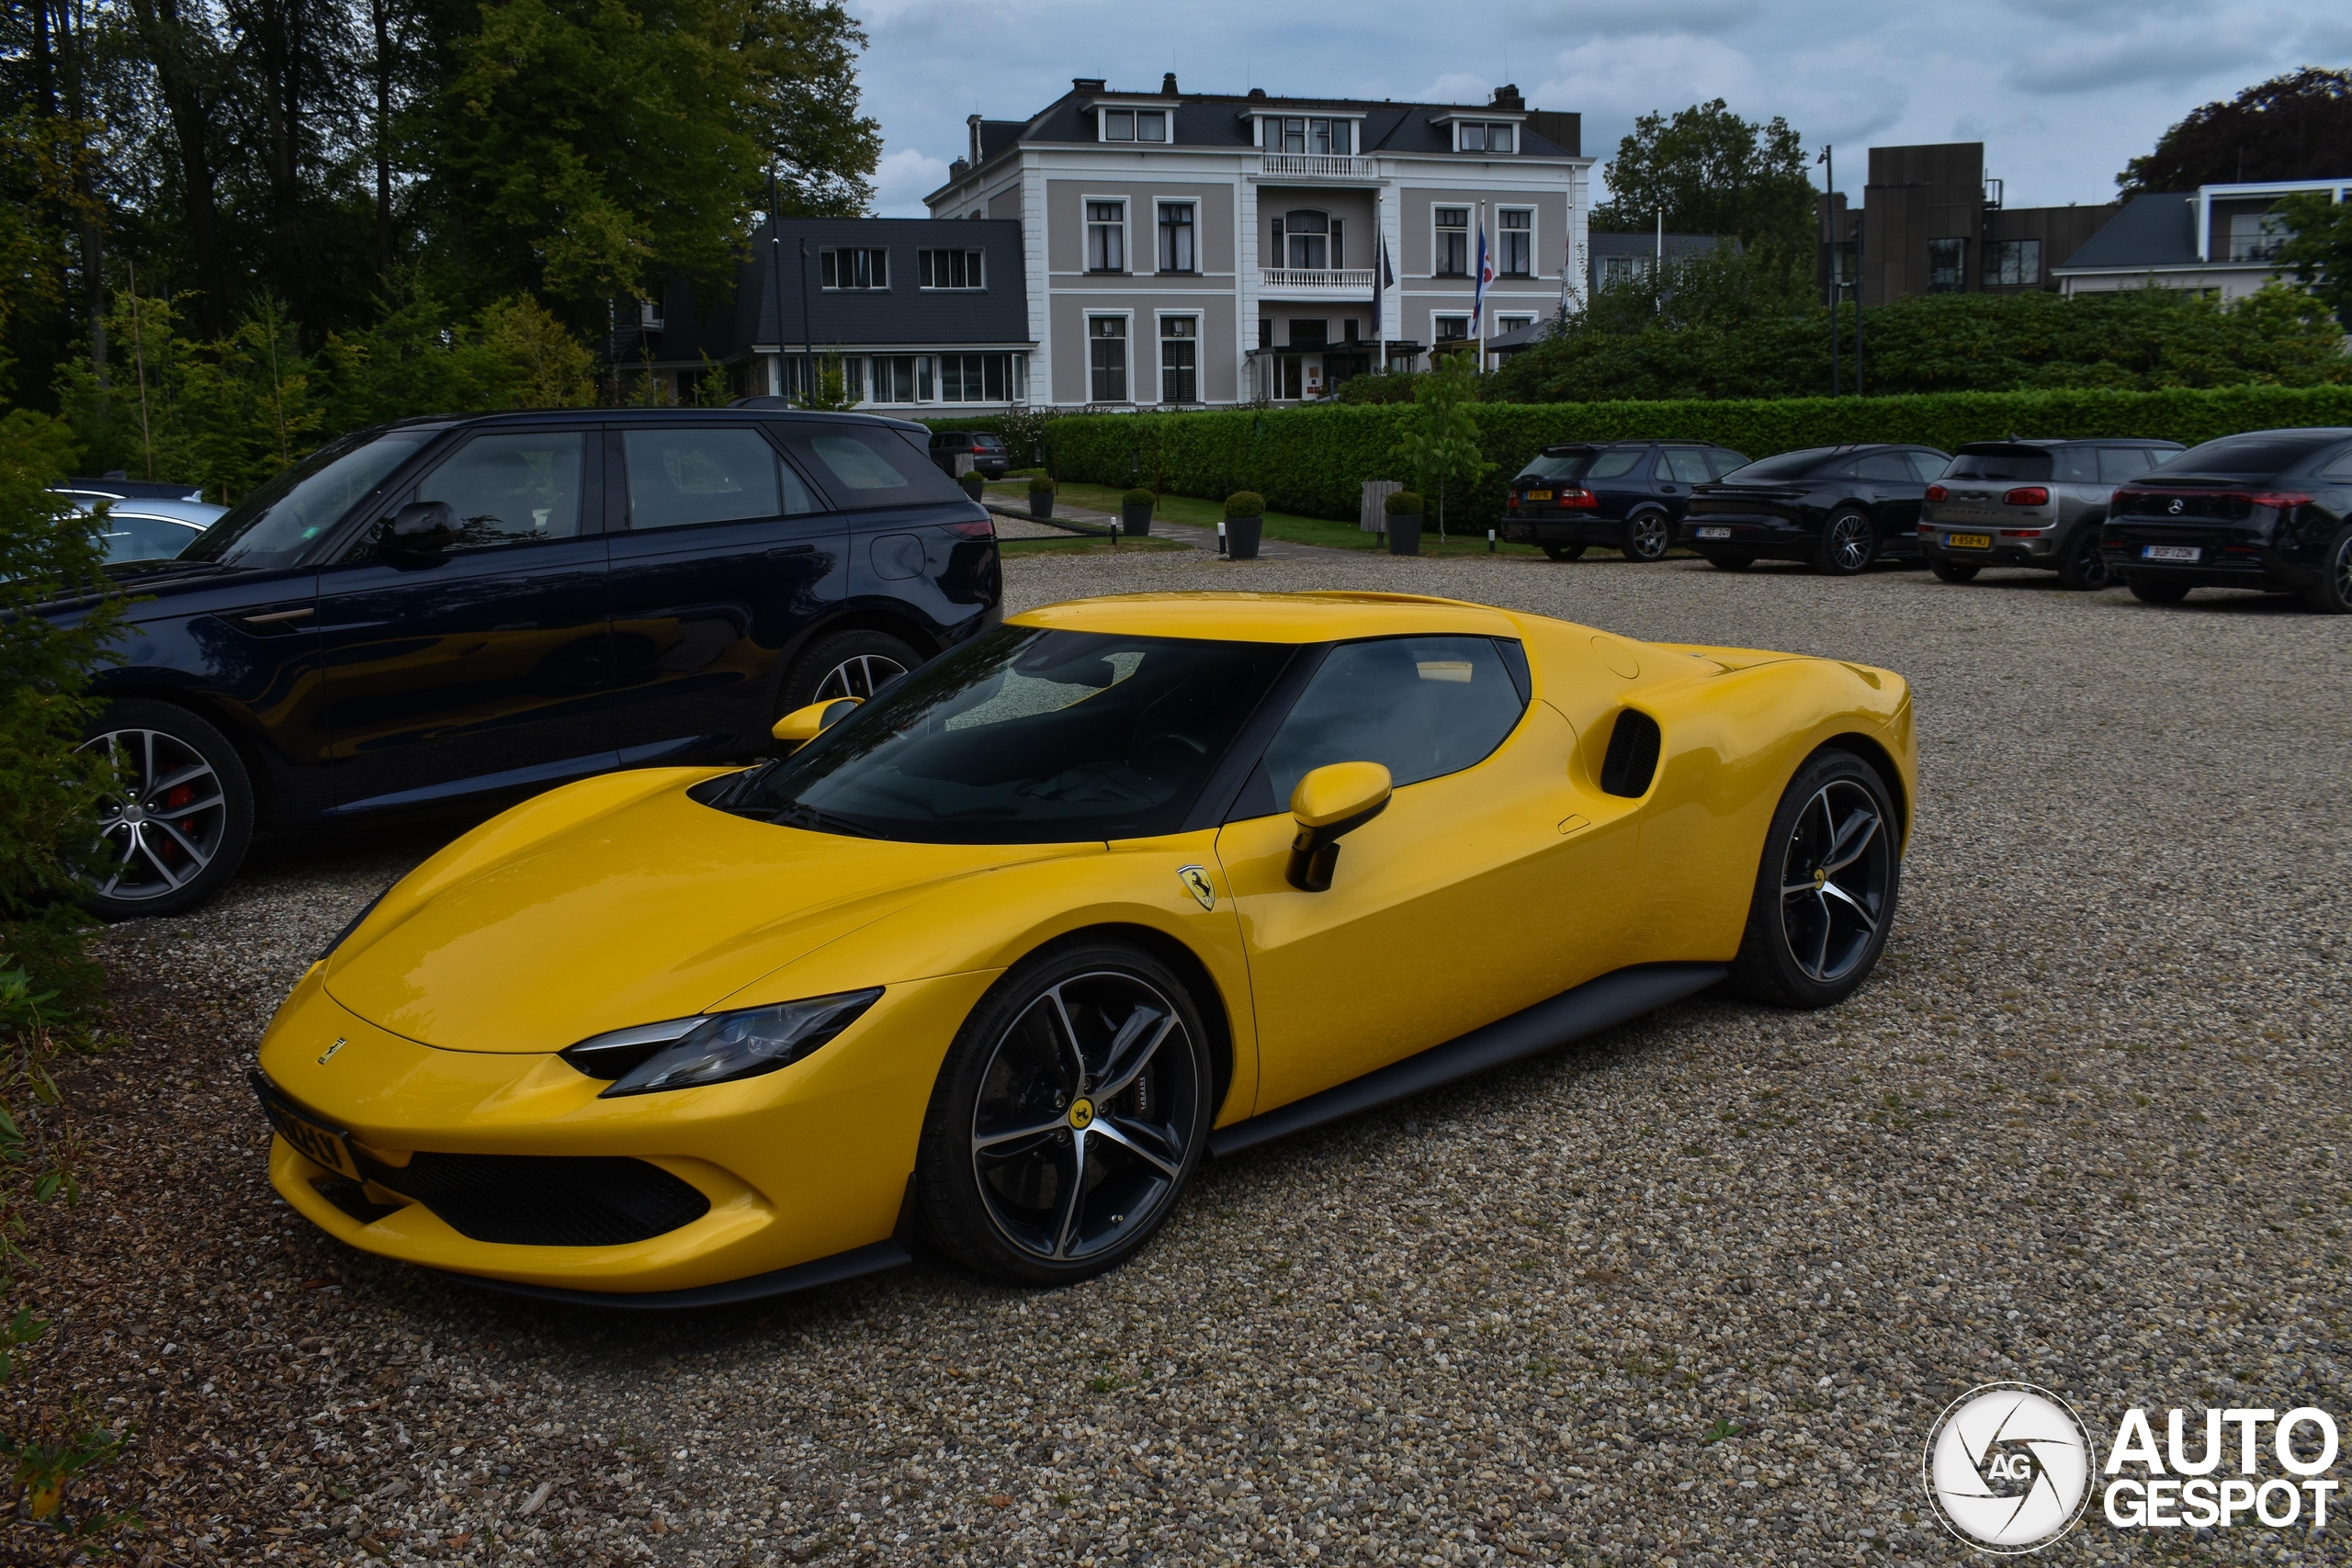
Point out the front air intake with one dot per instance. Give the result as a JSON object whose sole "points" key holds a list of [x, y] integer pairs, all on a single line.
{"points": [[544, 1200], [1633, 754]]}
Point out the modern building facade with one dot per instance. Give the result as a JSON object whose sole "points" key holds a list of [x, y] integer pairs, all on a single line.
{"points": [[1932, 223], [2219, 239], [1182, 249]]}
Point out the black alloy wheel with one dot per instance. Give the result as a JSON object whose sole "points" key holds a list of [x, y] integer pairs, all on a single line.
{"points": [[1954, 571], [2150, 592], [1731, 563], [1648, 535], [1071, 1114], [1825, 891], [1563, 552], [846, 664], [2332, 594], [2083, 567], [177, 823], [1848, 541]]}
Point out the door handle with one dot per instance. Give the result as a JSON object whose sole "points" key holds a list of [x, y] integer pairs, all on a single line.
{"points": [[793, 550]]}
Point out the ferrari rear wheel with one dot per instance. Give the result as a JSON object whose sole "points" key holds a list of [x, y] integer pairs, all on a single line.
{"points": [[1069, 1116], [1826, 892]]}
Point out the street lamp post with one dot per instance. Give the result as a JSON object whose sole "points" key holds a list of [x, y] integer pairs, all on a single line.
{"points": [[1829, 214]]}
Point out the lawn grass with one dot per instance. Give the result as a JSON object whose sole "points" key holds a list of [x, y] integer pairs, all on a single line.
{"points": [[1279, 525]]}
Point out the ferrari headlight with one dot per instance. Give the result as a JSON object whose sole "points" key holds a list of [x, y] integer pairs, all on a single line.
{"points": [[686, 1052]]}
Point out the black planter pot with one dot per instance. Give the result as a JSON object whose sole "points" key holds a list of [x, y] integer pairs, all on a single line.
{"points": [[1241, 534], [1135, 518], [1403, 533], [975, 485], [1041, 503]]}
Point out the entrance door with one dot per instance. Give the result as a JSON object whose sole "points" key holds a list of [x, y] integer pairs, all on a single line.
{"points": [[484, 666], [1491, 882]]}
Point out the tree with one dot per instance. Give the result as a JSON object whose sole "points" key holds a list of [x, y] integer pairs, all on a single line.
{"points": [[2318, 248], [1440, 436], [1714, 172], [2296, 127]]}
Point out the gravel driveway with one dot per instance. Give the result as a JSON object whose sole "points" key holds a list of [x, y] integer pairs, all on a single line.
{"points": [[1692, 1292]]}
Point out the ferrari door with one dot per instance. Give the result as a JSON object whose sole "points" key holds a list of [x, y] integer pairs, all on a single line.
{"points": [[1493, 880]]}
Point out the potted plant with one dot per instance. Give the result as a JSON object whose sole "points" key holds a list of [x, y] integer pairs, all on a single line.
{"points": [[1041, 496], [975, 483], [1404, 508], [1245, 521], [1135, 511]]}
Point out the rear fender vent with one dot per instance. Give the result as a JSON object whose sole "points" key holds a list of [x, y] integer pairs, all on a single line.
{"points": [[1633, 754]]}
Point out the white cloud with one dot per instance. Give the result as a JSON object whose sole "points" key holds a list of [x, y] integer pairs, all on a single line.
{"points": [[904, 178]]}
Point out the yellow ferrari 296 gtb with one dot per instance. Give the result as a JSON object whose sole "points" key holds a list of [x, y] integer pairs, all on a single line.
{"points": [[996, 957]]}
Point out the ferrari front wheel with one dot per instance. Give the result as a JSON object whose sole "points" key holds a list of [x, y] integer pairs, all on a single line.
{"points": [[1068, 1117], [1825, 891]]}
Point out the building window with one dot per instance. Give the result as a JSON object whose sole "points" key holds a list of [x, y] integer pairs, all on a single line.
{"points": [[1300, 133], [949, 269], [1106, 236], [2256, 236], [1511, 323], [1452, 241], [1135, 125], [853, 369], [1176, 251], [1308, 236], [1623, 269], [2011, 262], [1516, 233], [976, 377], [1179, 368], [856, 269], [1452, 329], [1947, 264], [901, 379], [1265, 331], [1106, 351], [1353, 324], [1310, 333], [1476, 137]]}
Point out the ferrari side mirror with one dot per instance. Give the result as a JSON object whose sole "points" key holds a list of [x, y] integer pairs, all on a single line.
{"points": [[801, 725], [1328, 803]]}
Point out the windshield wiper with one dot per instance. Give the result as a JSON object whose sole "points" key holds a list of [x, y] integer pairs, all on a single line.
{"points": [[819, 820]]}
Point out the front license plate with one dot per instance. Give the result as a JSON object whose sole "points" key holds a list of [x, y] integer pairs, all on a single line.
{"points": [[2169, 552], [1969, 541], [1714, 533], [1539, 495], [320, 1146]]}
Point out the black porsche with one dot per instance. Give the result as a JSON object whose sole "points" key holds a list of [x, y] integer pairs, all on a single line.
{"points": [[1838, 508]]}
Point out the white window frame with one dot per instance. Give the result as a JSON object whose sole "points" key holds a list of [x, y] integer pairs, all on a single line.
{"points": [[881, 288], [1534, 251], [1102, 113], [1127, 337], [1160, 320], [1487, 128], [1307, 133], [1437, 316], [1192, 202], [922, 251], [1469, 252], [1087, 226]]}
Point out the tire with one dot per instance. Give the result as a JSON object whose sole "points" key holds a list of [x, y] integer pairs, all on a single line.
{"points": [[1648, 535], [846, 664], [2332, 594], [1825, 889], [1848, 545], [1012, 1117], [1731, 563], [173, 835], [1563, 552], [2149, 593], [1954, 571], [2083, 569]]}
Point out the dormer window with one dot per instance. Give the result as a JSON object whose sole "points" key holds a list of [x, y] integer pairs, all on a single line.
{"points": [[1485, 136], [1306, 133], [1135, 125]]}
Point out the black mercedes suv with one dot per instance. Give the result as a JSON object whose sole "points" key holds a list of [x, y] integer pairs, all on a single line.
{"points": [[1624, 495], [2271, 509], [446, 611]]}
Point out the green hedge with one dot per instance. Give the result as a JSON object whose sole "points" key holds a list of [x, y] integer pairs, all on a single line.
{"points": [[1313, 461]]}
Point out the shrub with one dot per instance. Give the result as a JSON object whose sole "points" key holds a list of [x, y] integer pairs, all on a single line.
{"points": [[1403, 504], [1139, 497], [1245, 503], [1040, 484], [975, 483]]}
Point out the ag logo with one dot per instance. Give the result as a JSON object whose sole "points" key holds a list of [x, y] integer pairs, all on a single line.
{"points": [[328, 1054], [2178, 506], [1196, 882], [2008, 1468]]}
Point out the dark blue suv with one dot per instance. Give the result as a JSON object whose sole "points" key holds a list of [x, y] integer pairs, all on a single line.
{"points": [[1626, 495], [449, 609]]}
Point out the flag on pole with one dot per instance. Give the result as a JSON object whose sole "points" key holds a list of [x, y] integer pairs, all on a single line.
{"points": [[1567, 269], [1485, 276], [1383, 279]]}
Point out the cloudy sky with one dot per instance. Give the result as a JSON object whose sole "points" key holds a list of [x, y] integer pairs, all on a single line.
{"points": [[2061, 92]]}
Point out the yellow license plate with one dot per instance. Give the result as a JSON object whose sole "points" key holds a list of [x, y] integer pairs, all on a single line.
{"points": [[1539, 495], [1969, 541]]}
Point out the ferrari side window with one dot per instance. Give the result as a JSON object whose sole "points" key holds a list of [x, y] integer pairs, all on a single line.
{"points": [[1421, 707]]}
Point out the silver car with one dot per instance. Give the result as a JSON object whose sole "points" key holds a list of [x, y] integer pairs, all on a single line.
{"points": [[143, 527], [2032, 503]]}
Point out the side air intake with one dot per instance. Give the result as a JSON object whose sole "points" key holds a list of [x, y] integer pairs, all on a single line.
{"points": [[1633, 754]]}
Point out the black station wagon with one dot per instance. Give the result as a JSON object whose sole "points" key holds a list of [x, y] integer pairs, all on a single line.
{"points": [[444, 611]]}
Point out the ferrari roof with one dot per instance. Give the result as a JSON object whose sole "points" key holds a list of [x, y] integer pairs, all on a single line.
{"points": [[1323, 616]]}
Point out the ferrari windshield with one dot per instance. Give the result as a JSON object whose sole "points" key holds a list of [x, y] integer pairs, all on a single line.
{"points": [[1027, 736]]}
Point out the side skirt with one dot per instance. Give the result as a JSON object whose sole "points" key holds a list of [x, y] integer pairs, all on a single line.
{"points": [[1596, 1005], [840, 1265]]}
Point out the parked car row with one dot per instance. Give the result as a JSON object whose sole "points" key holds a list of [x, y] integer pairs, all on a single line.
{"points": [[2266, 509]]}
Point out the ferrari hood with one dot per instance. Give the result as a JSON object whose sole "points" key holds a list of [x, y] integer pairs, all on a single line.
{"points": [[655, 909]]}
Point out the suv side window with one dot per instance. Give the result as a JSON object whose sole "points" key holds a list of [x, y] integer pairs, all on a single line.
{"points": [[685, 474], [1617, 465], [1421, 707], [1687, 465], [512, 487], [869, 465], [2077, 464], [1723, 462]]}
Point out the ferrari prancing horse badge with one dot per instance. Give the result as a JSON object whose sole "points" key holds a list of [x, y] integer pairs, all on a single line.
{"points": [[1196, 882]]}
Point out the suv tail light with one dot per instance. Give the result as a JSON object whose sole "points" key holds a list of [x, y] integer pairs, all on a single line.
{"points": [[977, 451], [2282, 500], [1937, 492], [2027, 495]]}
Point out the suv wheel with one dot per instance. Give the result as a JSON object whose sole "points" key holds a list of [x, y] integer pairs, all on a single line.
{"points": [[1563, 552], [847, 664], [176, 824], [2083, 569], [2149, 593], [1647, 536], [1954, 571], [1848, 540], [2332, 594]]}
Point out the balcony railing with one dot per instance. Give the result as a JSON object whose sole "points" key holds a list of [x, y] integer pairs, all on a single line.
{"points": [[1313, 166], [1318, 278]]}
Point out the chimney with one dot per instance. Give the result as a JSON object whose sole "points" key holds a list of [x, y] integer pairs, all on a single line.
{"points": [[972, 131], [1507, 97], [1089, 83], [958, 169], [1257, 92], [1167, 85]]}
